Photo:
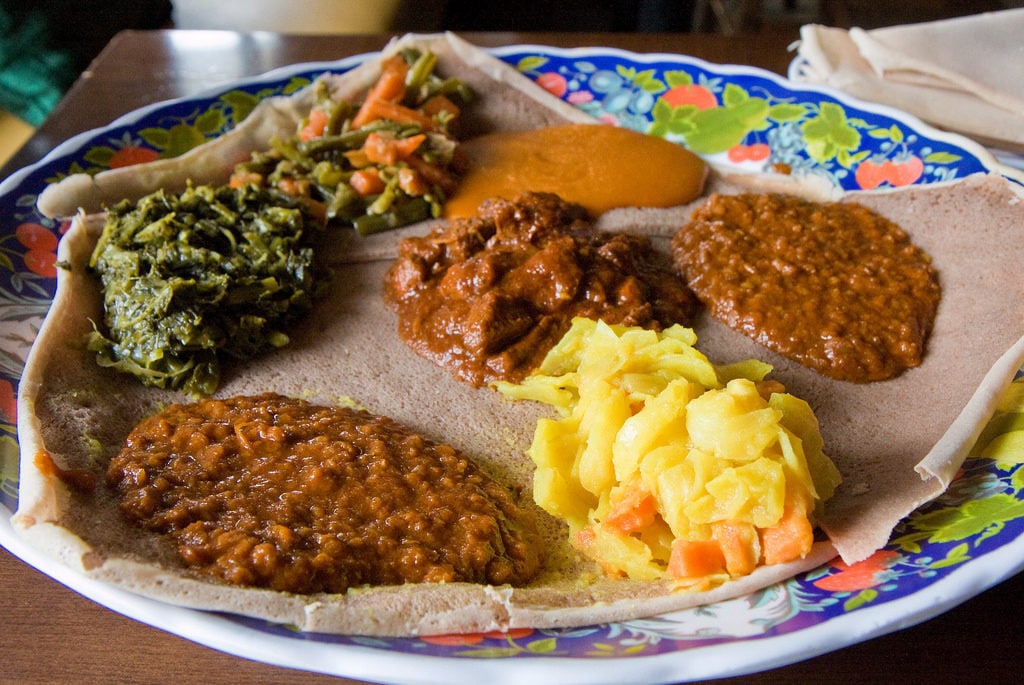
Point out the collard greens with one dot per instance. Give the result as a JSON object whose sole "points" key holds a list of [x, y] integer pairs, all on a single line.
{"points": [[193, 277]]}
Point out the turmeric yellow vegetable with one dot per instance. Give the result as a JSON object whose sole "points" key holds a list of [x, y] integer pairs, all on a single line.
{"points": [[666, 466]]}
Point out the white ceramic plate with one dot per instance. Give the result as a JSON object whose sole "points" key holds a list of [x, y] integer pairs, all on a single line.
{"points": [[732, 115]]}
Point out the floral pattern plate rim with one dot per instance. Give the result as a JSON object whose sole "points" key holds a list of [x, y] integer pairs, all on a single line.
{"points": [[950, 550]]}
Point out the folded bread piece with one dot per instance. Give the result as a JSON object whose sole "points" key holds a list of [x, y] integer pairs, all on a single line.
{"points": [[520, 105], [964, 74]]}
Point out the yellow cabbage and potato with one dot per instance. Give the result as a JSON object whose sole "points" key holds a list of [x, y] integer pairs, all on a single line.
{"points": [[666, 466]]}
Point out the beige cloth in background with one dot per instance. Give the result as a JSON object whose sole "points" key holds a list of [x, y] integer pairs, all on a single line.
{"points": [[964, 74]]}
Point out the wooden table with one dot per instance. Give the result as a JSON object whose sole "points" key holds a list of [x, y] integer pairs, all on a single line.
{"points": [[54, 635]]}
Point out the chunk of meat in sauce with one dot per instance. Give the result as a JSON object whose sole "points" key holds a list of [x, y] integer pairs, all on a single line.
{"points": [[273, 492], [834, 286], [486, 297]]}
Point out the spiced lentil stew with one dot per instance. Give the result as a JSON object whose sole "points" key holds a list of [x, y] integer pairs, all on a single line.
{"points": [[273, 492], [833, 286]]}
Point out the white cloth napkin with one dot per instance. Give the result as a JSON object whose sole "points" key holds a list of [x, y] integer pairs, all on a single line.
{"points": [[964, 74]]}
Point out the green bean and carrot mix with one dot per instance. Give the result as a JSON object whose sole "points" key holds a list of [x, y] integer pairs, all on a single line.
{"points": [[377, 165]]}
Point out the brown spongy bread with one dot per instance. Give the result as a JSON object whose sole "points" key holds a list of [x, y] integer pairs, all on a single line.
{"points": [[520, 105], [897, 443]]}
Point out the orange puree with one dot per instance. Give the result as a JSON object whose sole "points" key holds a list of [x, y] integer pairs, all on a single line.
{"points": [[599, 167]]}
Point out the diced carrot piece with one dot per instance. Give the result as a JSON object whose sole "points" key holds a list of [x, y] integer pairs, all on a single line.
{"points": [[315, 126], [695, 559], [366, 182], [357, 158], [294, 186], [240, 179], [791, 538], [634, 512], [386, 149], [739, 544]]}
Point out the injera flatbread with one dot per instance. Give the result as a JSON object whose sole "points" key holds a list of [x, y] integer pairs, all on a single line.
{"points": [[521, 105], [890, 440]]}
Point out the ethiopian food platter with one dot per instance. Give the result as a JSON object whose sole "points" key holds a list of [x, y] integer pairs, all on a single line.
{"points": [[447, 359]]}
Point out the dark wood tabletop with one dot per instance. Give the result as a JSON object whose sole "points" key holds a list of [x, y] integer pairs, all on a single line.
{"points": [[54, 635]]}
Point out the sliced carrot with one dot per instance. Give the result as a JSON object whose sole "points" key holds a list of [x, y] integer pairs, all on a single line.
{"points": [[366, 182], [390, 85], [315, 126], [299, 187], [389, 88], [695, 559], [739, 544], [387, 149], [634, 512], [440, 104], [791, 538], [373, 110]]}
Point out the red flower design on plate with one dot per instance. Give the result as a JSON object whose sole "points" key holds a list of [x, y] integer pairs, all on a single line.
{"points": [[871, 174], [131, 155], [468, 639], [755, 152], [861, 575], [690, 94], [553, 82], [8, 401], [41, 255]]}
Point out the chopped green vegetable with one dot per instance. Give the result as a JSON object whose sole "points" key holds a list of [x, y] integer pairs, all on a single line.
{"points": [[190, 278], [411, 108]]}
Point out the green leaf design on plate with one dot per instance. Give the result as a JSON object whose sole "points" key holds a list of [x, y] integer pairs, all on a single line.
{"points": [[9, 464], [677, 78], [1017, 480], [972, 518], [942, 158], [156, 137], [863, 597], [787, 112], [532, 63], [211, 121], [240, 103], [544, 646], [1007, 450], [491, 652], [101, 155], [956, 555], [892, 133], [182, 138], [719, 128], [830, 133], [296, 83], [671, 120], [643, 79]]}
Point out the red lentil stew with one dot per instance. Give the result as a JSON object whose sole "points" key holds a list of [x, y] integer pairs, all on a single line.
{"points": [[273, 492]]}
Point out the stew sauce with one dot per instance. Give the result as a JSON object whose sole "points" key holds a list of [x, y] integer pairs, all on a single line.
{"points": [[273, 492]]}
